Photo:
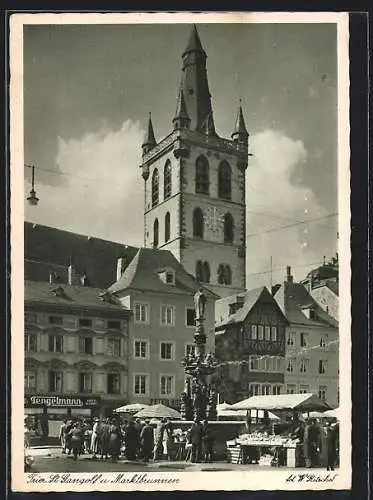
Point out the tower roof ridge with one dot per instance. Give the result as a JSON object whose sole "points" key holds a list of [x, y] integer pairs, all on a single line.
{"points": [[181, 109], [149, 139], [194, 43]]}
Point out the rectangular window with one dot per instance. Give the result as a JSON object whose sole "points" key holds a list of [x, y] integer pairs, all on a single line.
{"points": [[322, 366], [268, 363], [113, 348], [85, 382], [55, 381], [170, 278], [167, 315], [304, 340], [276, 390], [140, 384], [267, 333], [304, 389], [30, 380], [30, 342], [140, 349], [254, 332], [167, 385], [141, 313], [55, 343], [303, 368], [260, 332], [167, 351], [254, 389], [190, 317], [323, 340], [189, 349], [113, 383], [323, 392], [266, 390], [291, 389], [85, 322], [254, 363], [274, 334], [86, 345], [290, 365], [291, 339], [55, 320], [113, 325]]}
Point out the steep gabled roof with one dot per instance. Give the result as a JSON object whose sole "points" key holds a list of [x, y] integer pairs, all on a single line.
{"points": [[143, 274], [51, 249], [250, 298], [293, 297]]}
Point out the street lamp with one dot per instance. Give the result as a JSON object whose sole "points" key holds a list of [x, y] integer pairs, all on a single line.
{"points": [[32, 199]]}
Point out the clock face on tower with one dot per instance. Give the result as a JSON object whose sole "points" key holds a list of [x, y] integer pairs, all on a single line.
{"points": [[214, 219]]}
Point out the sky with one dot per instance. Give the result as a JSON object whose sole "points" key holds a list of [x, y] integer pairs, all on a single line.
{"points": [[88, 90]]}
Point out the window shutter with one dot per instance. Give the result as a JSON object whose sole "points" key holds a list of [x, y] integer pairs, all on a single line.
{"points": [[70, 344], [99, 346], [100, 382], [125, 383], [41, 381], [44, 342], [69, 382]]}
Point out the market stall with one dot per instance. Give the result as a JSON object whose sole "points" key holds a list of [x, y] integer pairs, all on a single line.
{"points": [[278, 443]]}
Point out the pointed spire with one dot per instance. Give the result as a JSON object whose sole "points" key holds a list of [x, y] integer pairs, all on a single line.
{"points": [[194, 43], [149, 139], [240, 132], [181, 118]]}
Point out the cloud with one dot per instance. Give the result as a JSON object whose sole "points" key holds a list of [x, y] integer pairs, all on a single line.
{"points": [[104, 195], [274, 199]]}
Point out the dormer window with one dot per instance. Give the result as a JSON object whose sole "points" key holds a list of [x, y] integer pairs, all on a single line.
{"points": [[58, 292], [167, 276], [309, 312], [106, 297]]}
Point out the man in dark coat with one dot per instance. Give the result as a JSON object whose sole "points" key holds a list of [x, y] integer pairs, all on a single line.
{"points": [[115, 440], [196, 440], [147, 441], [208, 441], [131, 439], [311, 441], [331, 446], [105, 439]]}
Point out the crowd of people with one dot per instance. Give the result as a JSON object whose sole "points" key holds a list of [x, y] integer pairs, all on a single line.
{"points": [[133, 439]]}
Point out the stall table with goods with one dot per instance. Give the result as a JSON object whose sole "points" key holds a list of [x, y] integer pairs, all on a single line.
{"points": [[269, 448]]}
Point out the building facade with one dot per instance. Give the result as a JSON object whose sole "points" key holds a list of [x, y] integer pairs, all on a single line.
{"points": [[76, 350], [160, 294], [312, 344], [194, 184], [250, 344]]}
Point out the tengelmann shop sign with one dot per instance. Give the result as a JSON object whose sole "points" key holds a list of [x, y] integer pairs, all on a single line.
{"points": [[60, 402]]}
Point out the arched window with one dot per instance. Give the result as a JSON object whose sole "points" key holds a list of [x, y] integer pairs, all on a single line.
{"points": [[155, 233], [225, 181], [155, 188], [228, 228], [206, 272], [167, 226], [202, 175], [167, 180], [199, 270], [198, 224], [224, 274]]}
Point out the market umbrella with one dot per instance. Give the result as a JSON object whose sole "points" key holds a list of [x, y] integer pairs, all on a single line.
{"points": [[132, 408], [333, 413], [225, 410], [158, 411], [300, 402]]}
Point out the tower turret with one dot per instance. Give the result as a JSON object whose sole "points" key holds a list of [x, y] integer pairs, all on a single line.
{"points": [[181, 118], [240, 133], [149, 139]]}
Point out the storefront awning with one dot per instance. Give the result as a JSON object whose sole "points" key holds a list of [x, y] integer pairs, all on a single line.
{"points": [[300, 402]]}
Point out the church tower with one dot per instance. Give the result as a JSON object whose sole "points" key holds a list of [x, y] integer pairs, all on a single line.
{"points": [[194, 184]]}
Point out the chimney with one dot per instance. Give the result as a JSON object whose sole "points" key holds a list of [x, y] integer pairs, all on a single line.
{"points": [[289, 277], [121, 265], [71, 275]]}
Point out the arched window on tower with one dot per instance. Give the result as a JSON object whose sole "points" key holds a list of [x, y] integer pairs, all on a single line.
{"points": [[225, 181], [167, 226], [155, 188], [167, 180], [198, 224], [224, 274], [228, 228], [202, 175], [155, 233]]}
